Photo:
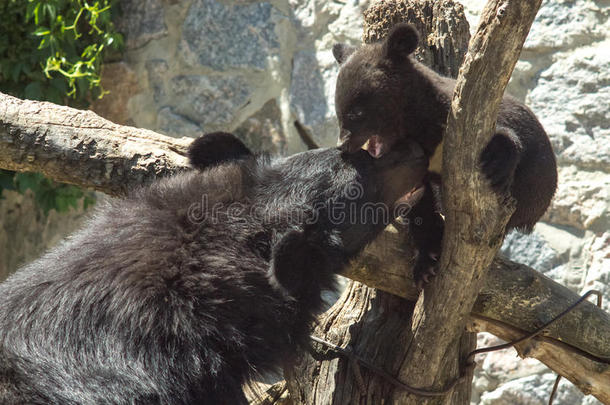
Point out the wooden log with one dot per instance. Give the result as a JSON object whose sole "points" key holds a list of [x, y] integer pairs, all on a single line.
{"points": [[81, 148]]}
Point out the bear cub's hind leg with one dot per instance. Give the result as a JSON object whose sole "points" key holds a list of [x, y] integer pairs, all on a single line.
{"points": [[426, 227]]}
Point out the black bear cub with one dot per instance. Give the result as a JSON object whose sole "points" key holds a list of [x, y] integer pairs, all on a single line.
{"points": [[182, 291], [384, 96]]}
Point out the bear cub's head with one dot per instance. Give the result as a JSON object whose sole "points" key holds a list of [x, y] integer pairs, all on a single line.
{"points": [[370, 85]]}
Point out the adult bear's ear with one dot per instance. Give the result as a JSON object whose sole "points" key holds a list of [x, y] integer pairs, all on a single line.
{"points": [[401, 42], [215, 148], [342, 51]]}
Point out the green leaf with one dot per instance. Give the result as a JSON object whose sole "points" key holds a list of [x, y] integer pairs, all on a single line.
{"points": [[53, 95], [41, 31], [29, 11], [27, 181], [62, 203], [32, 10], [45, 199], [42, 58], [44, 43], [50, 11], [16, 71], [27, 69]]}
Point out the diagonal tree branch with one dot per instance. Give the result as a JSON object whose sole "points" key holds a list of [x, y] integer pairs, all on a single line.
{"points": [[38, 136], [475, 219], [514, 300]]}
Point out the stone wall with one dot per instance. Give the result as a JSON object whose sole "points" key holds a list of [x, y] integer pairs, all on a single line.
{"points": [[26, 233]]}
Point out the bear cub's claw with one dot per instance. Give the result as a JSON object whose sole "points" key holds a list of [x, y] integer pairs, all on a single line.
{"points": [[499, 159]]}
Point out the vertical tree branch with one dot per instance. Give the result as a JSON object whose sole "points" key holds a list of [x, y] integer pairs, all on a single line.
{"points": [[373, 324], [475, 219]]}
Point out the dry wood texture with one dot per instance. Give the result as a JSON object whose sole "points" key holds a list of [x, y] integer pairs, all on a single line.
{"points": [[475, 219], [81, 148]]}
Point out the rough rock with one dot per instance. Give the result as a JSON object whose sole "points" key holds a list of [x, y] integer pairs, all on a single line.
{"points": [[210, 101], [581, 22], [141, 22], [262, 132], [571, 99], [597, 266], [309, 100], [172, 124], [115, 108], [222, 36], [532, 390], [582, 200], [26, 233], [157, 70], [531, 250]]}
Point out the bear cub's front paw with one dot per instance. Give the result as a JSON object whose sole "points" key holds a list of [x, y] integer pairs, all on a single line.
{"points": [[500, 158]]}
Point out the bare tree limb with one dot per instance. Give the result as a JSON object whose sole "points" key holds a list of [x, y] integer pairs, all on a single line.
{"points": [[514, 298], [305, 135], [81, 148], [475, 219]]}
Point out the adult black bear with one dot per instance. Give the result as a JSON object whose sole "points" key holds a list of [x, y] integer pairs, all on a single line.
{"points": [[188, 287], [384, 96]]}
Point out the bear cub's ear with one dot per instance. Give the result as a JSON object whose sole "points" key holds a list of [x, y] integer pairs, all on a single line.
{"points": [[215, 148], [342, 51], [401, 42]]}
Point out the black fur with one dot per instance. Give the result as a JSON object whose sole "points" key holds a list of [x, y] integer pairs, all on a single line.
{"points": [[385, 96], [182, 291], [216, 147]]}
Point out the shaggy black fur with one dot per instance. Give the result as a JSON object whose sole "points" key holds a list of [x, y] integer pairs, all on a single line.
{"points": [[215, 148], [185, 289], [385, 96]]}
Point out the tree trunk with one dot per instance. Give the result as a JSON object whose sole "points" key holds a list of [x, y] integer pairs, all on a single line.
{"points": [[431, 353], [375, 324], [475, 218]]}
